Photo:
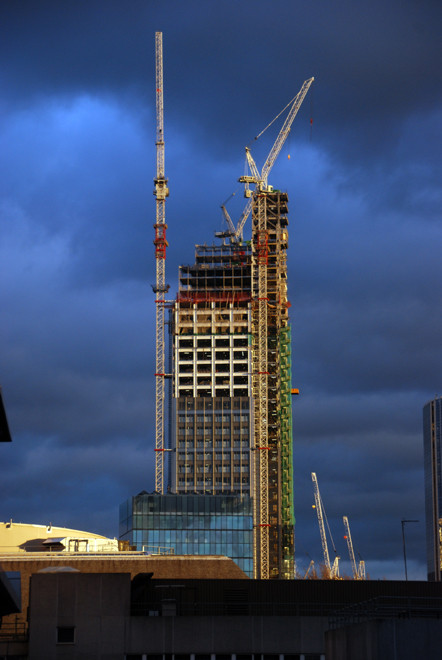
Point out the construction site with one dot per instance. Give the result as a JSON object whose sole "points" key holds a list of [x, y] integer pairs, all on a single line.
{"points": [[223, 398]]}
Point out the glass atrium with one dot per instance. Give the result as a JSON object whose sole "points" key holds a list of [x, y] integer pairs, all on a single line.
{"points": [[191, 525]]}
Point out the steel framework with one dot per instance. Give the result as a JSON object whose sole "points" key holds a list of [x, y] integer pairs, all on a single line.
{"points": [[161, 191], [260, 390], [267, 439]]}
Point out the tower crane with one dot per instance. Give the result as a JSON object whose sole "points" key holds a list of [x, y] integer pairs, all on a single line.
{"points": [[259, 180], [311, 567], [160, 289], [332, 570], [358, 572], [257, 200]]}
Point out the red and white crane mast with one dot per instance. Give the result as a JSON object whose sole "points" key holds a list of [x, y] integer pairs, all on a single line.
{"points": [[161, 191]]}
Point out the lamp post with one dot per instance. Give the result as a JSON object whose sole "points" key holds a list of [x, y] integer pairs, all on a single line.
{"points": [[403, 543]]}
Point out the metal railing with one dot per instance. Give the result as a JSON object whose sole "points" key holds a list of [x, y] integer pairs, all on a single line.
{"points": [[15, 631], [157, 550]]}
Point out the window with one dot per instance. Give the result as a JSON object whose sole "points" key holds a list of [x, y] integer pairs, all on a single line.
{"points": [[65, 635]]}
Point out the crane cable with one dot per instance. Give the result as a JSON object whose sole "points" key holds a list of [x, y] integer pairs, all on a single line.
{"points": [[328, 526], [273, 121]]}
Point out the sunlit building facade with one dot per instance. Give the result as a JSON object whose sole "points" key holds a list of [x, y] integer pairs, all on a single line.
{"points": [[212, 373]]}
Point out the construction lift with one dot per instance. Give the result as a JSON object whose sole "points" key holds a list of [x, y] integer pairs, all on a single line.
{"points": [[332, 570]]}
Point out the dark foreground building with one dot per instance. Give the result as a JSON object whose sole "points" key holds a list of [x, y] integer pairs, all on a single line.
{"points": [[118, 617]]}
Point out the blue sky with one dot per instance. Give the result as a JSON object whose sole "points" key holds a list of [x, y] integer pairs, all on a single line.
{"points": [[77, 145]]}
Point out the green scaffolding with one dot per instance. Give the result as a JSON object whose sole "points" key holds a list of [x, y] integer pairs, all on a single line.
{"points": [[287, 509]]}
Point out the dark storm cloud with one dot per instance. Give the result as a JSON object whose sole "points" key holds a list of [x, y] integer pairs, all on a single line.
{"points": [[76, 256]]}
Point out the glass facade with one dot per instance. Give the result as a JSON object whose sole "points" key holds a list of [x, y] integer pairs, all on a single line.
{"points": [[191, 525], [213, 445]]}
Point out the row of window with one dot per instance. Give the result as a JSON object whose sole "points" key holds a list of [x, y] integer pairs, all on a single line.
{"points": [[189, 354], [218, 342], [209, 454], [185, 505], [207, 443], [189, 425], [218, 532], [237, 539], [209, 415], [202, 485], [207, 469], [220, 404], [226, 428], [202, 391]]}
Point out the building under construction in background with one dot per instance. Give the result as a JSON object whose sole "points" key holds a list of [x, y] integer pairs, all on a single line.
{"points": [[215, 383], [228, 436], [214, 330]]}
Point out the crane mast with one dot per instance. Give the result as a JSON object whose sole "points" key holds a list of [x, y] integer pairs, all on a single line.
{"points": [[161, 191], [358, 572], [332, 570], [319, 513], [350, 548]]}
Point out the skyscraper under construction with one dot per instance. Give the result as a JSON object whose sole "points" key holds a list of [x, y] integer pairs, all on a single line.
{"points": [[218, 406], [230, 473], [216, 379]]}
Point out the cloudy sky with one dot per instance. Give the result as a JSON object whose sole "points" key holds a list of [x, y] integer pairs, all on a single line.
{"points": [[77, 161]]}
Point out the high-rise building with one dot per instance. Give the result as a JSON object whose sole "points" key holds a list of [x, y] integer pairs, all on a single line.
{"points": [[212, 373], [218, 400], [432, 418], [230, 414]]}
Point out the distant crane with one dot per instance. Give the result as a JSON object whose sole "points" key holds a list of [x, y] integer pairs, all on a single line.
{"points": [[332, 570], [160, 289], [358, 572], [311, 567]]}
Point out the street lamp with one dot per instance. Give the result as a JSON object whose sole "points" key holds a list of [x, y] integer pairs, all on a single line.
{"points": [[403, 543]]}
